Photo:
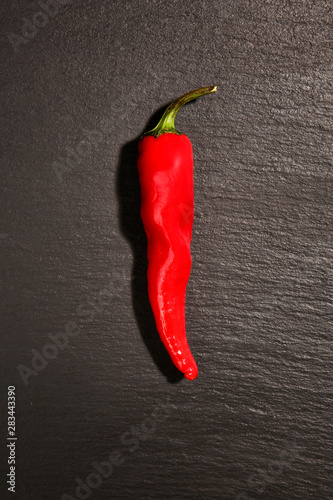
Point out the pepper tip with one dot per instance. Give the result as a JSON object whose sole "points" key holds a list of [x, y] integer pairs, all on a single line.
{"points": [[191, 373]]}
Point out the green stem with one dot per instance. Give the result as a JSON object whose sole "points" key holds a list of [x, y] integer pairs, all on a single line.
{"points": [[166, 125]]}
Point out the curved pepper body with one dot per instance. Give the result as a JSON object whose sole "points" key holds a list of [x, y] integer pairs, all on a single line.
{"points": [[165, 166]]}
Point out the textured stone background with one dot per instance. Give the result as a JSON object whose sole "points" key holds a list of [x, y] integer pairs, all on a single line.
{"points": [[76, 94]]}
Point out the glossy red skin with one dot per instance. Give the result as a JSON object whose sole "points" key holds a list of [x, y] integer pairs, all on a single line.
{"points": [[165, 166]]}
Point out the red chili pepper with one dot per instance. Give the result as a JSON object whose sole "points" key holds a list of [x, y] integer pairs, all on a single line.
{"points": [[165, 166]]}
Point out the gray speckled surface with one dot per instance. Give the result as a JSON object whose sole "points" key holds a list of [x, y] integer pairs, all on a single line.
{"points": [[75, 95]]}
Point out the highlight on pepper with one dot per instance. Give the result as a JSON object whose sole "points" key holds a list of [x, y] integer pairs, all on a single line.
{"points": [[165, 166]]}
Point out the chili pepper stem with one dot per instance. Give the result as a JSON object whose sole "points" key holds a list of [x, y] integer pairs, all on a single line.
{"points": [[167, 122]]}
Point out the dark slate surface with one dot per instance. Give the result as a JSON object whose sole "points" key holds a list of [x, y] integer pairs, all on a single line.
{"points": [[257, 423]]}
